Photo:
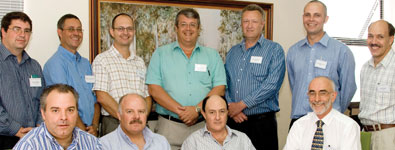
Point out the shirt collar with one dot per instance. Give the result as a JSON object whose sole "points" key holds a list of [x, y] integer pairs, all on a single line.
{"points": [[230, 133], [75, 136], [327, 119], [259, 42], [386, 60], [324, 41], [176, 46], [116, 53], [5, 53], [147, 133], [69, 55]]}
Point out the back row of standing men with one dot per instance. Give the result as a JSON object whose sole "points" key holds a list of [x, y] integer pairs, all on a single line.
{"points": [[181, 74]]}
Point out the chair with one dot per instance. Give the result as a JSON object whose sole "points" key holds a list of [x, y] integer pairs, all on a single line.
{"points": [[365, 140]]}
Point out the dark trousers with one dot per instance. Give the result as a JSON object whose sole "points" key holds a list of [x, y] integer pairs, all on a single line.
{"points": [[8, 142], [261, 129], [109, 124]]}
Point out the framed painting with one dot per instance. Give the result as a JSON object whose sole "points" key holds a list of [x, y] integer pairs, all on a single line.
{"points": [[155, 23]]}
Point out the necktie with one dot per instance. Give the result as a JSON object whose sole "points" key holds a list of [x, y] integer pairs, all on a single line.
{"points": [[318, 140]]}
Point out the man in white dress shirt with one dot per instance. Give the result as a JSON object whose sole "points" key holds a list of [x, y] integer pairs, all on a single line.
{"points": [[339, 131]]}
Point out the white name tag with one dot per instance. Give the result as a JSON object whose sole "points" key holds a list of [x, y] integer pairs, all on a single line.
{"points": [[201, 67], [89, 79], [256, 59], [384, 88], [320, 64], [35, 82]]}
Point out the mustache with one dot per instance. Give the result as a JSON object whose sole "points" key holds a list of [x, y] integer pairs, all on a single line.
{"points": [[371, 45], [136, 121]]}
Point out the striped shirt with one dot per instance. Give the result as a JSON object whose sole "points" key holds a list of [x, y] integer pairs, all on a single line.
{"points": [[203, 140], [119, 76], [40, 139], [254, 76], [339, 66], [19, 102], [378, 91]]}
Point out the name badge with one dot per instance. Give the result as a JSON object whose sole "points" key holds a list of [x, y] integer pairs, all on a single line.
{"points": [[384, 88], [201, 67], [35, 82], [141, 74], [256, 59], [320, 64], [89, 79]]}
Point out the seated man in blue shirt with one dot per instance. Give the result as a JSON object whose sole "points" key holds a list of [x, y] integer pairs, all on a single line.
{"points": [[59, 110], [132, 132], [67, 66]]}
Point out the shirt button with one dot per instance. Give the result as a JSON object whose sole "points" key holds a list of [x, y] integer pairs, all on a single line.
{"points": [[237, 91], [241, 69], [244, 59], [312, 49], [190, 94], [190, 83], [309, 73], [311, 61], [189, 72], [238, 80]]}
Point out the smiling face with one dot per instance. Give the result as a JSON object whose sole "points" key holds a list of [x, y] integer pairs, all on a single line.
{"points": [[216, 114], [16, 39], [314, 18], [133, 114], [252, 24], [123, 31], [60, 114], [187, 30], [379, 41], [321, 96], [70, 35]]}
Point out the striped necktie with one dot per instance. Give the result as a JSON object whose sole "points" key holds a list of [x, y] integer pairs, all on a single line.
{"points": [[318, 140]]}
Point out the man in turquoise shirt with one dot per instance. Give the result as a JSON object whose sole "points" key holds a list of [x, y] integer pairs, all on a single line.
{"points": [[180, 75], [67, 66]]}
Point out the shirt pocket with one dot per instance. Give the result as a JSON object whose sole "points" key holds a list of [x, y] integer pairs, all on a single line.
{"points": [[383, 96], [323, 72], [204, 79], [259, 72]]}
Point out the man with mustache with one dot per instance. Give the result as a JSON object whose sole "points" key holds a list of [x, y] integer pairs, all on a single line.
{"points": [[319, 55], [378, 87], [335, 130], [59, 110], [132, 132], [118, 71], [67, 66]]}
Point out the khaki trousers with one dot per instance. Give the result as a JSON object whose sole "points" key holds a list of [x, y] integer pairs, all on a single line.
{"points": [[383, 139]]}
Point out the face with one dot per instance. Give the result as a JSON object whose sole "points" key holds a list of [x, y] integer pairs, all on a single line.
{"points": [[123, 32], [187, 30], [379, 41], [71, 35], [216, 114], [252, 24], [60, 114], [18, 35], [314, 18], [321, 96], [133, 115]]}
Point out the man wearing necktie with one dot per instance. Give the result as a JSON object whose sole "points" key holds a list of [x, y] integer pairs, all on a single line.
{"points": [[325, 128]]}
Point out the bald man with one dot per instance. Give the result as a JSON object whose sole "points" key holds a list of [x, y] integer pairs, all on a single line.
{"points": [[324, 128]]}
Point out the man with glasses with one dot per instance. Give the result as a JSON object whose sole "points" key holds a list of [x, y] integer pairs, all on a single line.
{"points": [[324, 128], [180, 75], [67, 66], [118, 71], [21, 80]]}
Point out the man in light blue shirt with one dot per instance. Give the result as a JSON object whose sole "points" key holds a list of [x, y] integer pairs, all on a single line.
{"points": [[132, 132], [319, 55], [67, 66]]}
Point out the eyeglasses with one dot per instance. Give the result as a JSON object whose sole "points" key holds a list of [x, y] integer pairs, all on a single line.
{"points": [[79, 30], [191, 25], [122, 29], [19, 30], [321, 94]]}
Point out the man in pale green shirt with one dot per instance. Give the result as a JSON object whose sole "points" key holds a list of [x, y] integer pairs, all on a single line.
{"points": [[180, 75]]}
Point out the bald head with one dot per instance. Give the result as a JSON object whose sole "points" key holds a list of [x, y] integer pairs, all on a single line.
{"points": [[131, 97], [214, 98]]}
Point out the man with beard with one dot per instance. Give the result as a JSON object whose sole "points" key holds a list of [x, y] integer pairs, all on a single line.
{"points": [[132, 132], [59, 110], [325, 128], [378, 87]]}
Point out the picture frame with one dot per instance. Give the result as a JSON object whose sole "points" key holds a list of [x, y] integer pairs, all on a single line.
{"points": [[153, 29]]}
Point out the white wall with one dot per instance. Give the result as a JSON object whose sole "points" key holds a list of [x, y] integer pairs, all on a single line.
{"points": [[287, 30]]}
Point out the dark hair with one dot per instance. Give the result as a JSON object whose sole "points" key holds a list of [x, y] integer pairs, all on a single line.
{"points": [[61, 88], [189, 13], [253, 7], [207, 98], [323, 5], [7, 19], [121, 14], [64, 18], [391, 29]]}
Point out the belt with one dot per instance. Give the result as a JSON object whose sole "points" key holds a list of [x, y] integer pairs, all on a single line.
{"points": [[171, 118], [377, 127]]}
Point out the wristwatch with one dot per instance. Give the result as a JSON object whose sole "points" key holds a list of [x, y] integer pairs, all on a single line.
{"points": [[198, 109]]}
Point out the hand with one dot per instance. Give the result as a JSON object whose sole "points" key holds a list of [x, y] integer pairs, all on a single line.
{"points": [[239, 118], [188, 115], [236, 108], [92, 130], [22, 131]]}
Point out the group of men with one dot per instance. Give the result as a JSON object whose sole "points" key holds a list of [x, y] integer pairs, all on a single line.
{"points": [[194, 91]]}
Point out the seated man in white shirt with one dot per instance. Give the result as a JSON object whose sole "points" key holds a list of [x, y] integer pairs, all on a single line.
{"points": [[132, 133], [325, 128], [216, 134]]}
